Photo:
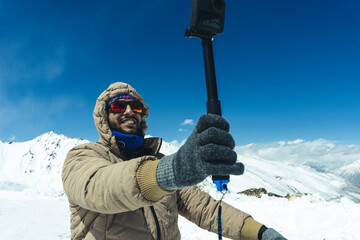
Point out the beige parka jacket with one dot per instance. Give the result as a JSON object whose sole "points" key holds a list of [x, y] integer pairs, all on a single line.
{"points": [[113, 198]]}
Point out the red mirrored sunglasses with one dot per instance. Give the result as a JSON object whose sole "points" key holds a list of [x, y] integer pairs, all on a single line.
{"points": [[120, 106]]}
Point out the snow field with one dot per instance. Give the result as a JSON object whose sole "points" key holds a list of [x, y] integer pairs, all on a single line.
{"points": [[25, 215]]}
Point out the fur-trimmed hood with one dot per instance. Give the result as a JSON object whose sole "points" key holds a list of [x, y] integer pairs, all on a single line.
{"points": [[101, 115]]}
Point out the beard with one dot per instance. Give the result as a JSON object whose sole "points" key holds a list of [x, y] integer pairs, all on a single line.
{"points": [[119, 129], [120, 125]]}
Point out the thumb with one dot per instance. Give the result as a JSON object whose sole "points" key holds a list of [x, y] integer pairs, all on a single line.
{"points": [[227, 169], [237, 169]]}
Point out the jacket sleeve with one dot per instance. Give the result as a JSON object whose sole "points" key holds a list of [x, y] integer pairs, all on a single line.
{"points": [[91, 181], [201, 209]]}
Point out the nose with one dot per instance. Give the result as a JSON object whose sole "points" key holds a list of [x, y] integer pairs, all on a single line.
{"points": [[128, 111]]}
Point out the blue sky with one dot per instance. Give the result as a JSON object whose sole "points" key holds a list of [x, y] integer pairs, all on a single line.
{"points": [[285, 69]]}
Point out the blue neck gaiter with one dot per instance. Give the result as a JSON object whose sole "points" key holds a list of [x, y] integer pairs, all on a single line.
{"points": [[128, 141]]}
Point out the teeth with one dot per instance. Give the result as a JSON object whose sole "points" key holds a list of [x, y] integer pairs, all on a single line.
{"points": [[130, 121]]}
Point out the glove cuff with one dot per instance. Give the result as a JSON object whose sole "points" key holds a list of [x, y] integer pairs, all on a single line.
{"points": [[261, 231], [165, 173], [250, 229], [146, 178], [272, 234]]}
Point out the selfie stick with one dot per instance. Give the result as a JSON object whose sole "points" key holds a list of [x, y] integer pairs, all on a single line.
{"points": [[213, 103]]}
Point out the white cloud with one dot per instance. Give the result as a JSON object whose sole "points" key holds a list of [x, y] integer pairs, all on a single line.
{"points": [[320, 154], [182, 130], [187, 122], [12, 138]]}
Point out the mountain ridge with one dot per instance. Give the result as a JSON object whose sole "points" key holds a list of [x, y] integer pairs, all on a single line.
{"points": [[37, 165]]}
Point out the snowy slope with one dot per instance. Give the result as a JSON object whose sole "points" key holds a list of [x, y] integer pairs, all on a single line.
{"points": [[287, 178], [322, 203], [35, 164], [351, 172], [316, 166]]}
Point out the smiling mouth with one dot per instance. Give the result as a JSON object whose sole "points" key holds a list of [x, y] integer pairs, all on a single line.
{"points": [[129, 121]]}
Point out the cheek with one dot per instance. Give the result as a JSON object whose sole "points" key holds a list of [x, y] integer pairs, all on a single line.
{"points": [[112, 120], [138, 118]]}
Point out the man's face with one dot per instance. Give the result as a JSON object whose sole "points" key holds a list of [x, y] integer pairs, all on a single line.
{"points": [[127, 122]]}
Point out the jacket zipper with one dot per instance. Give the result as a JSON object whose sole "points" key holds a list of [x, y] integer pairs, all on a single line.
{"points": [[156, 222]]}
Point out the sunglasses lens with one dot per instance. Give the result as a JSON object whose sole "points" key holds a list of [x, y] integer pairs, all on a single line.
{"points": [[118, 107], [136, 107]]}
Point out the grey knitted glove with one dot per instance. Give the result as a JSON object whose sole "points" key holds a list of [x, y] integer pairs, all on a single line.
{"points": [[272, 234], [207, 151]]}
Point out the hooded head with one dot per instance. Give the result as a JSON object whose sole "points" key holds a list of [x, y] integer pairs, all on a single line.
{"points": [[101, 116]]}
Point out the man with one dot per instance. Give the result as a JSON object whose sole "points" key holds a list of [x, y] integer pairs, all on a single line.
{"points": [[122, 187]]}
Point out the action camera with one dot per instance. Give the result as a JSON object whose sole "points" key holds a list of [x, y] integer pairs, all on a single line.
{"points": [[207, 16]]}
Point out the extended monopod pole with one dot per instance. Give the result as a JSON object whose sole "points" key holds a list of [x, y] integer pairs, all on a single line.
{"points": [[207, 20], [213, 103]]}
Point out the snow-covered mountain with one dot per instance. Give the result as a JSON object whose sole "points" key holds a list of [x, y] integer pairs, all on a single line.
{"points": [[281, 168], [305, 190], [294, 167], [351, 172], [35, 164]]}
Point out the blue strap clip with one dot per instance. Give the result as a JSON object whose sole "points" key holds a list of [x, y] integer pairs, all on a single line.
{"points": [[221, 185]]}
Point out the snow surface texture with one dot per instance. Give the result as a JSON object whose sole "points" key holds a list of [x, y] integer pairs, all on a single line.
{"points": [[310, 189]]}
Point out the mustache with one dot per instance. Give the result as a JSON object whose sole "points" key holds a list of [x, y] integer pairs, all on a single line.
{"points": [[125, 117]]}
